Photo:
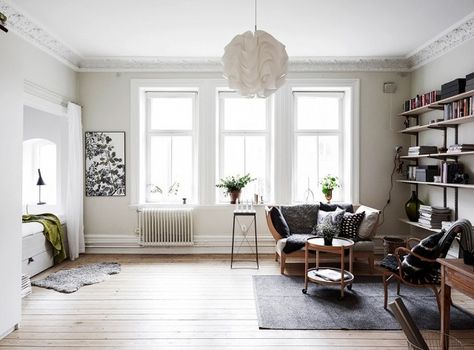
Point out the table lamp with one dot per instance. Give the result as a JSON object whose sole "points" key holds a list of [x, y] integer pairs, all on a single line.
{"points": [[40, 183]]}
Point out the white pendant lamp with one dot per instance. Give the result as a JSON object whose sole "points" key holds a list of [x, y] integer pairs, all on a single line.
{"points": [[255, 64]]}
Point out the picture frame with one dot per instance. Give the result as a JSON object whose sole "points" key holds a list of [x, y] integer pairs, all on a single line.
{"points": [[105, 164]]}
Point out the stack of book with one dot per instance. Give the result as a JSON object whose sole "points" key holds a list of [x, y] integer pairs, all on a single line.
{"points": [[431, 217], [417, 150], [25, 285], [470, 82], [453, 88], [461, 147]]}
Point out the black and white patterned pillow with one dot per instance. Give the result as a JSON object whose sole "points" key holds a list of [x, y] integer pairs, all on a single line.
{"points": [[333, 218], [350, 225]]}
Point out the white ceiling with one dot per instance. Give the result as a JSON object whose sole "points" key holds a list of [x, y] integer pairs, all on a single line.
{"points": [[192, 28]]}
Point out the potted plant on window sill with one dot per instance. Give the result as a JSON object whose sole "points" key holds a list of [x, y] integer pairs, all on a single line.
{"points": [[233, 185], [329, 183]]}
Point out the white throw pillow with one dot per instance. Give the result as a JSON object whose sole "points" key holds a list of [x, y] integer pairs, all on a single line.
{"points": [[367, 225]]}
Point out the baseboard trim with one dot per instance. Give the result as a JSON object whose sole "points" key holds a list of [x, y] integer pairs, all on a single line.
{"points": [[203, 244], [8, 331]]}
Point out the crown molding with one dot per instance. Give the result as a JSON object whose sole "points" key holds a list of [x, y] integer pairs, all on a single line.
{"points": [[454, 36], [27, 28], [31, 31], [214, 65]]}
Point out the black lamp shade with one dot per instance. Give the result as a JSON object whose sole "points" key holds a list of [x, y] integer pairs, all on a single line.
{"points": [[40, 181]]}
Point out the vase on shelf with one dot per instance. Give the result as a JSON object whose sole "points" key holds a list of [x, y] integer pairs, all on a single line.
{"points": [[412, 207]]}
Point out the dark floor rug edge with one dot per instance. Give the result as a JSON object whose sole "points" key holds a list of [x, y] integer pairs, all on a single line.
{"points": [[262, 324]]}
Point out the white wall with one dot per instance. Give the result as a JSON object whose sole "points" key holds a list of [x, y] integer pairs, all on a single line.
{"points": [[19, 61], [11, 121], [106, 101], [455, 64]]}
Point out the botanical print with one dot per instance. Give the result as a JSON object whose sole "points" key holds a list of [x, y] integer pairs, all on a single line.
{"points": [[105, 164]]}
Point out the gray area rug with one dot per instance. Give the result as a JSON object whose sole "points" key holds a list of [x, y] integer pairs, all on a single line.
{"points": [[70, 280], [281, 305]]}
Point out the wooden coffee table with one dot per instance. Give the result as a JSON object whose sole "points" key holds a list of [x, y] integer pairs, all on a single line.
{"points": [[339, 245]]}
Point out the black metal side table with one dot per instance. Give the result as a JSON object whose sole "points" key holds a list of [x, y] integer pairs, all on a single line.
{"points": [[252, 214]]}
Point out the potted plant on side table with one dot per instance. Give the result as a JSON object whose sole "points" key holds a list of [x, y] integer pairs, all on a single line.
{"points": [[329, 183], [329, 231], [233, 185]]}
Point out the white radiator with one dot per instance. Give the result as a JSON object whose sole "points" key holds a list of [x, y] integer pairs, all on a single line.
{"points": [[165, 227]]}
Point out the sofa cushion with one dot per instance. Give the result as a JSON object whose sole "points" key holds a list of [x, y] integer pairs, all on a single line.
{"points": [[367, 226], [279, 222], [350, 225], [333, 206], [300, 218]]}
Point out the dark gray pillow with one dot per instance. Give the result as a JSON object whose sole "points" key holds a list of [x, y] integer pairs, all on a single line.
{"points": [[279, 222], [333, 206], [300, 218]]}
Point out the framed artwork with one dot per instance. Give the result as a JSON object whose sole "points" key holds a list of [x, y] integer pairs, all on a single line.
{"points": [[105, 163]]}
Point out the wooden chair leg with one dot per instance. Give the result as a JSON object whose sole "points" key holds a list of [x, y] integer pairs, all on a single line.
{"points": [[371, 264], [437, 295], [282, 263], [385, 291]]}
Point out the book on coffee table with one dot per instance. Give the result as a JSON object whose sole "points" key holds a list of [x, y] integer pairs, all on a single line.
{"points": [[330, 275]]}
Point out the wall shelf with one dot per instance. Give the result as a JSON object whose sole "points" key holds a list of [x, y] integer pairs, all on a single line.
{"points": [[415, 224], [420, 110], [445, 155], [442, 125], [437, 184], [456, 97]]}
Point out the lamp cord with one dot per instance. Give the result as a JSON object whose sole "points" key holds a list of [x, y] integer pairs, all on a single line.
{"points": [[255, 5]]}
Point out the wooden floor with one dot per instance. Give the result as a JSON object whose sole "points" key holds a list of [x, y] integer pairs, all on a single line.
{"points": [[175, 302]]}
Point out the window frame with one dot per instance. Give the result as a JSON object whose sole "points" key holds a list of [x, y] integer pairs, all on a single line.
{"points": [[340, 132], [222, 133], [149, 133]]}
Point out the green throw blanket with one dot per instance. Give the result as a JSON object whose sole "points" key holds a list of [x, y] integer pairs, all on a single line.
{"points": [[52, 231]]}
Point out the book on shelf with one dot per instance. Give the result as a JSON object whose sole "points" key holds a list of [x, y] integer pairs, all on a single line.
{"points": [[433, 216], [330, 275], [418, 150], [459, 109], [422, 100], [461, 147]]}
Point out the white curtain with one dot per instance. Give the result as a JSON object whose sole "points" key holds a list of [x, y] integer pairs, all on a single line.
{"points": [[75, 183]]}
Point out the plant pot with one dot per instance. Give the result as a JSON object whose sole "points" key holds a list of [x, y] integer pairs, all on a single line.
{"points": [[234, 196], [328, 241], [328, 196], [412, 207]]}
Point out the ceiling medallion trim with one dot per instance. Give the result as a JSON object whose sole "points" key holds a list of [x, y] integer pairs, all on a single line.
{"points": [[445, 43], [32, 32]]}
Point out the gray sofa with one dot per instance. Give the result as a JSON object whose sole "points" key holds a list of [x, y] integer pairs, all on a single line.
{"points": [[302, 218]]}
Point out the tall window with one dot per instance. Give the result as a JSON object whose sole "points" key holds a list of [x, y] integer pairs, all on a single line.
{"points": [[318, 142], [244, 141], [170, 125]]}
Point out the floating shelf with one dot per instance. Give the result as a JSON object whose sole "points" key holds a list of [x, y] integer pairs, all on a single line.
{"points": [[415, 224], [437, 184], [438, 125], [420, 110], [446, 155], [2, 27], [456, 98]]}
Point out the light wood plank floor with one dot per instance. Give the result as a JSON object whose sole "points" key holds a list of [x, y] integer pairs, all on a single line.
{"points": [[176, 302]]}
